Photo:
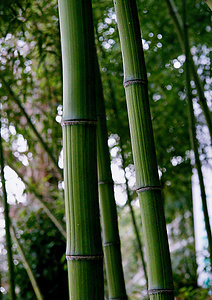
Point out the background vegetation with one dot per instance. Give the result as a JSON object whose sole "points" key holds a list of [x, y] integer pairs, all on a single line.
{"points": [[31, 110]]}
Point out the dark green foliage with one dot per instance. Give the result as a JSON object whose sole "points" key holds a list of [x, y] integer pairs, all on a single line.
{"points": [[44, 248]]}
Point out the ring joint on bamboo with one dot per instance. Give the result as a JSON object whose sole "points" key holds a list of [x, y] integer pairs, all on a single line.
{"points": [[148, 188], [133, 81], [79, 122], [84, 257], [160, 291]]}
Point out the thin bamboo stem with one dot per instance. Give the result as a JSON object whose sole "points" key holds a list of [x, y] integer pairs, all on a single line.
{"points": [[27, 266], [111, 239], [118, 122], [84, 246], [39, 197], [148, 186], [199, 86], [12, 294], [192, 131], [32, 126]]}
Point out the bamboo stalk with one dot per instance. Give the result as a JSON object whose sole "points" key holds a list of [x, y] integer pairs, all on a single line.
{"points": [[84, 247], [111, 239], [118, 122], [148, 186], [199, 86], [192, 131], [12, 294], [27, 266], [32, 126], [39, 197]]}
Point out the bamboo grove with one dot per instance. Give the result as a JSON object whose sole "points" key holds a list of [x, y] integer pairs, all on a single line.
{"points": [[105, 150]]}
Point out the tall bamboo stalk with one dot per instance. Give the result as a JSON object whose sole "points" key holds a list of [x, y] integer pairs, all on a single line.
{"points": [[148, 186], [192, 131], [199, 86], [129, 200], [27, 266], [84, 247], [111, 239], [7, 224]]}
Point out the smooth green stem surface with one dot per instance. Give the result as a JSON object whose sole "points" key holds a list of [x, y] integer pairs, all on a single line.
{"points": [[12, 294], [84, 245], [84, 250], [148, 186], [192, 131], [110, 233], [27, 266]]}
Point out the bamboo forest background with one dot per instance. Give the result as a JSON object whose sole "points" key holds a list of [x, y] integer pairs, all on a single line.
{"points": [[31, 113]]}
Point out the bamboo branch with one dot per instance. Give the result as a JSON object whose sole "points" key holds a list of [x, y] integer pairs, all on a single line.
{"points": [[32, 126], [27, 266], [7, 224], [192, 131], [39, 197]]}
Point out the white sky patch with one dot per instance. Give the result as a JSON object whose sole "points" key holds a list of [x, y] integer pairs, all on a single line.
{"points": [[14, 186]]}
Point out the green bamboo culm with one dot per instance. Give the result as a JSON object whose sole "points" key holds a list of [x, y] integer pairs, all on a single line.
{"points": [[12, 294], [84, 247], [117, 125], [192, 132], [110, 232], [160, 283]]}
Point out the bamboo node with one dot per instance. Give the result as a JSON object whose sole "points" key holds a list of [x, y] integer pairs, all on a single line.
{"points": [[148, 188], [160, 291], [133, 81], [84, 257], [79, 122]]}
